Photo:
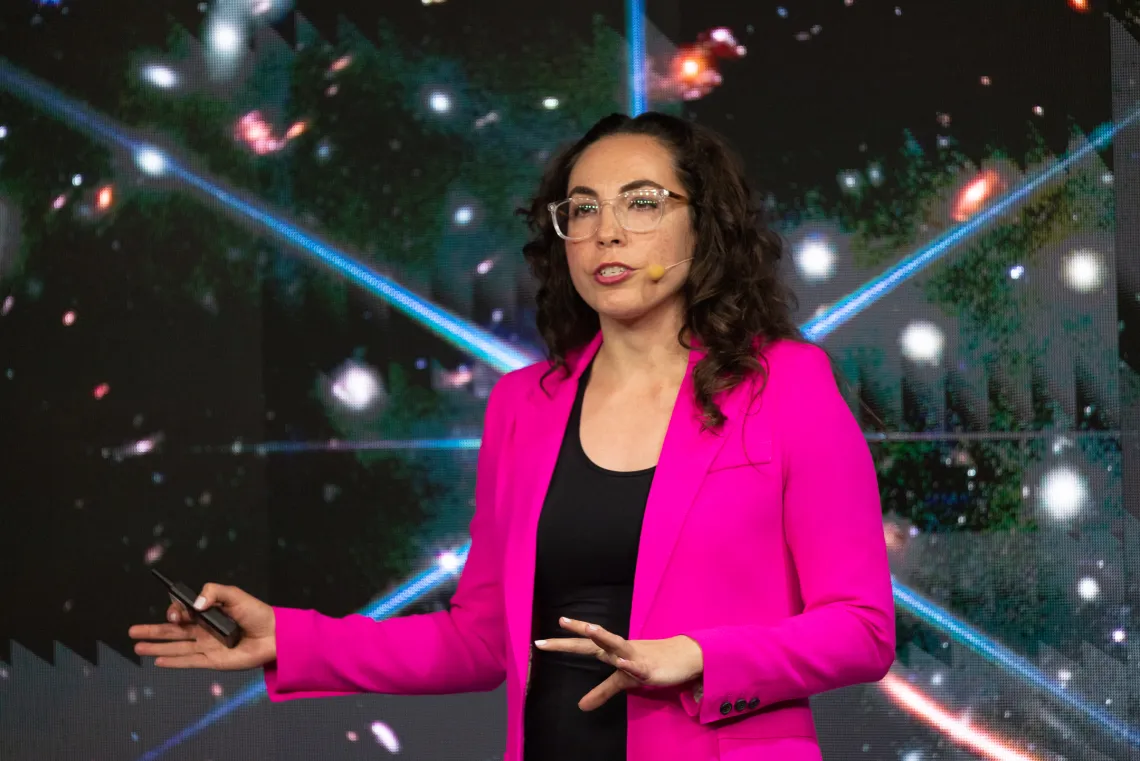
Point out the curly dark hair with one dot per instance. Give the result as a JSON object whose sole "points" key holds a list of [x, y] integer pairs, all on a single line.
{"points": [[735, 301]]}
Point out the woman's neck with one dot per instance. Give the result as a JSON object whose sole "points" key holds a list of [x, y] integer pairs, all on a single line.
{"points": [[645, 350]]}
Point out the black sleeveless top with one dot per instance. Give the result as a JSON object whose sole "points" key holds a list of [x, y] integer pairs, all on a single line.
{"points": [[588, 535]]}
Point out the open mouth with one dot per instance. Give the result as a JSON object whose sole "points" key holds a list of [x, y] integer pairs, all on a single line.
{"points": [[612, 270]]}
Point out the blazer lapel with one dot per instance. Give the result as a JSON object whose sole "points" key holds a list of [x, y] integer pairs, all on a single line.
{"points": [[686, 455], [539, 430]]}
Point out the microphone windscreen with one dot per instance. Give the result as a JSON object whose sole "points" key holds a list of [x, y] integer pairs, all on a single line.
{"points": [[655, 271]]}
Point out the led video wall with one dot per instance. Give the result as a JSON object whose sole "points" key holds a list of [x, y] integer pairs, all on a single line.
{"points": [[260, 268]]}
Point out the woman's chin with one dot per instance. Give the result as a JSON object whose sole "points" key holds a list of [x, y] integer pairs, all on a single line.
{"points": [[628, 307], [623, 312]]}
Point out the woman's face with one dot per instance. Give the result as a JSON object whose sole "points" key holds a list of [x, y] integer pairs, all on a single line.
{"points": [[611, 269]]}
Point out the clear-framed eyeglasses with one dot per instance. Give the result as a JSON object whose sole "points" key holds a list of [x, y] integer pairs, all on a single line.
{"points": [[637, 211]]}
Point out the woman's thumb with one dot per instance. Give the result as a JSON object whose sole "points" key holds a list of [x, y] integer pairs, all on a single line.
{"points": [[212, 594]]}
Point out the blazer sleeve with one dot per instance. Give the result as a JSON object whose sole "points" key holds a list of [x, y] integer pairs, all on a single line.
{"points": [[462, 649], [833, 527]]}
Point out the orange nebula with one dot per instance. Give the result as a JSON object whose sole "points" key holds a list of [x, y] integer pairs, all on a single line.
{"points": [[976, 194], [104, 198], [297, 130]]}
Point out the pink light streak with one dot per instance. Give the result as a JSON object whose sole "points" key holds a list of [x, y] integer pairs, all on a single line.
{"points": [[957, 729]]}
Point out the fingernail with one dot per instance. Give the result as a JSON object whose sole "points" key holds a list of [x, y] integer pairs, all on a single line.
{"points": [[172, 617], [540, 643], [592, 627], [564, 620], [200, 603]]}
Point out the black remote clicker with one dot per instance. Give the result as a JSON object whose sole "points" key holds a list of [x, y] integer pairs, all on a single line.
{"points": [[224, 628]]}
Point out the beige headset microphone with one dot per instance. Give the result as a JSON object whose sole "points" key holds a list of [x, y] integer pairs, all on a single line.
{"points": [[657, 271]]}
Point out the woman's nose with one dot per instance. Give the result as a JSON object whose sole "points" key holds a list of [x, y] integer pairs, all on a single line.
{"points": [[608, 226]]}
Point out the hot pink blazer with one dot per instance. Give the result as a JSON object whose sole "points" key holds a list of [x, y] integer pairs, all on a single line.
{"points": [[763, 542]]}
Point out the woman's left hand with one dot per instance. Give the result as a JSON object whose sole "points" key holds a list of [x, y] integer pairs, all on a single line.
{"points": [[641, 662]]}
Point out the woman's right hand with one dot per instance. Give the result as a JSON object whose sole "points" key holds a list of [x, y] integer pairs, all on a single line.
{"points": [[183, 643]]}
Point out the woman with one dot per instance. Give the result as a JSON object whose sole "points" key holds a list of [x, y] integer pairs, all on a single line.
{"points": [[677, 535]]}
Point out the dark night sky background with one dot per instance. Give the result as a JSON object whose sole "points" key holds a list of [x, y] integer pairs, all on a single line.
{"points": [[798, 111]]}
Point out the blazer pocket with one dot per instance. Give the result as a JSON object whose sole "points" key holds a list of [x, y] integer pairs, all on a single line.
{"points": [[743, 454]]}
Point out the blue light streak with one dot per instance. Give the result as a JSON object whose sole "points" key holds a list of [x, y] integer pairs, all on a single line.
{"points": [[479, 343], [635, 34], [406, 594], [358, 445], [875, 289], [1010, 661], [466, 336]]}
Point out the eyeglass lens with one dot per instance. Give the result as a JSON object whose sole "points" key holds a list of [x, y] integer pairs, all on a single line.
{"points": [[636, 211]]}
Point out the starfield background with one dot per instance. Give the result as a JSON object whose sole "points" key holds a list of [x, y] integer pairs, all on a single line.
{"points": [[260, 267]]}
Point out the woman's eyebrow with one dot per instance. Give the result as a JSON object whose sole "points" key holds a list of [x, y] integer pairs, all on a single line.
{"points": [[585, 191]]}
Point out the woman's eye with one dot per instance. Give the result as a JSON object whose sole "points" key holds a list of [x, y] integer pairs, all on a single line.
{"points": [[584, 208], [643, 204]]}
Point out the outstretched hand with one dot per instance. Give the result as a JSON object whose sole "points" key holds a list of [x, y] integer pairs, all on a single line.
{"points": [[639, 663], [185, 643]]}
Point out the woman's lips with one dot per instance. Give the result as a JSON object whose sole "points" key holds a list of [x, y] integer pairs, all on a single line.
{"points": [[610, 274]]}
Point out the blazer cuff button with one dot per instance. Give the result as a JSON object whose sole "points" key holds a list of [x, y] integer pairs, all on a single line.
{"points": [[725, 709]]}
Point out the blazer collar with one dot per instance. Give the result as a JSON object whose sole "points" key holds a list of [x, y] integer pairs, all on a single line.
{"points": [[686, 455], [539, 429]]}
